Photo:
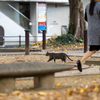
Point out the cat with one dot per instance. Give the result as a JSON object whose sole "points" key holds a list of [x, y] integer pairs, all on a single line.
{"points": [[55, 56]]}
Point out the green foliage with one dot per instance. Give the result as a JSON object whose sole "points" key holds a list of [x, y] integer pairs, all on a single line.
{"points": [[64, 39], [79, 40], [70, 25]]}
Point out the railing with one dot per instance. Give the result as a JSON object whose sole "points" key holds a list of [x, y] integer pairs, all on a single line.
{"points": [[18, 41], [15, 15]]}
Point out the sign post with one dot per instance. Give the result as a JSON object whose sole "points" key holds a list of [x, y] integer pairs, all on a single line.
{"points": [[42, 21], [27, 49]]}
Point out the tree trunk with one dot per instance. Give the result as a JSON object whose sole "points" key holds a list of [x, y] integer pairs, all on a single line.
{"points": [[77, 22]]}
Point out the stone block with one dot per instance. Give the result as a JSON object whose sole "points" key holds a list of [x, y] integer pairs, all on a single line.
{"points": [[44, 81], [94, 62], [7, 84]]}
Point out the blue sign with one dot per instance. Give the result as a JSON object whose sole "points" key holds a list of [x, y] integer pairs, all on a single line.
{"points": [[42, 27]]}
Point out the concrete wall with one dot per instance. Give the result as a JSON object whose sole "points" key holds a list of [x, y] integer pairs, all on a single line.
{"points": [[33, 18], [56, 17]]}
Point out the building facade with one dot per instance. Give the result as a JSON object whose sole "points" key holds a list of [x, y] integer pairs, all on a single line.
{"points": [[18, 15]]}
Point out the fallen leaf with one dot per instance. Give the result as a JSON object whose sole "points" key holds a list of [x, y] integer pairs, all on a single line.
{"points": [[67, 95], [42, 93], [64, 50], [2, 94], [81, 90], [93, 81], [3, 62], [92, 65], [95, 88], [58, 84], [16, 92]]}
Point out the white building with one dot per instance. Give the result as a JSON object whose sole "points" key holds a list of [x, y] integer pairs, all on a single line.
{"points": [[18, 15]]}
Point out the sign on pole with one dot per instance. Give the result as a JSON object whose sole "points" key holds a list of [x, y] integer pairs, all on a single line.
{"points": [[42, 17]]}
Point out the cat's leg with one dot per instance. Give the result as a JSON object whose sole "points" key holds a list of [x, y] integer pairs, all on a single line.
{"points": [[54, 60], [49, 60], [65, 59], [62, 61]]}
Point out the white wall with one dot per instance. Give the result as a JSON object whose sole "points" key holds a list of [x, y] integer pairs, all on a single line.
{"points": [[56, 17]]}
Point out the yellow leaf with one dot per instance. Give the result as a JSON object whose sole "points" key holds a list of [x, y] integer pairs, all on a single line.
{"points": [[85, 89], [69, 90], [81, 90], [84, 82], [57, 47], [2, 94], [95, 78], [74, 90], [47, 47], [75, 66], [16, 92], [93, 81], [58, 84], [95, 88], [53, 37], [67, 95], [64, 45], [92, 65], [64, 50], [42, 93]]}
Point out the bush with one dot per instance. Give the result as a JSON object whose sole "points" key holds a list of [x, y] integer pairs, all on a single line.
{"points": [[64, 39]]}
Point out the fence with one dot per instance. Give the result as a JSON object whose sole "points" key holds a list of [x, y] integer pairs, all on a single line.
{"points": [[18, 41], [4, 40]]}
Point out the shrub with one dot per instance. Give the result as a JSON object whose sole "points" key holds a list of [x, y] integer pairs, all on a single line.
{"points": [[64, 39]]}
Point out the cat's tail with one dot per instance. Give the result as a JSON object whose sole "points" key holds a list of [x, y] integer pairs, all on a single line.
{"points": [[68, 57]]}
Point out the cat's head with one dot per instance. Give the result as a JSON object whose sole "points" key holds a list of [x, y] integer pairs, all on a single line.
{"points": [[47, 53]]}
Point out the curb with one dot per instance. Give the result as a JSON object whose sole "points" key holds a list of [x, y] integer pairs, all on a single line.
{"points": [[18, 50]]}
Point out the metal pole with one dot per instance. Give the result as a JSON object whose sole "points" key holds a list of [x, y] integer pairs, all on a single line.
{"points": [[85, 41], [27, 50], [44, 39], [19, 40]]}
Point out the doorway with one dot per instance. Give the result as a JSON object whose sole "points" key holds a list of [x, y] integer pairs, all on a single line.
{"points": [[1, 36]]}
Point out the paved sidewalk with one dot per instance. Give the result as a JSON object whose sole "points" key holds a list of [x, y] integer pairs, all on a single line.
{"points": [[70, 53], [43, 52], [86, 69]]}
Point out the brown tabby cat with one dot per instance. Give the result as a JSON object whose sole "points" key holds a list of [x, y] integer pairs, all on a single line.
{"points": [[55, 56]]}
